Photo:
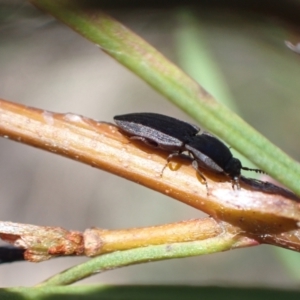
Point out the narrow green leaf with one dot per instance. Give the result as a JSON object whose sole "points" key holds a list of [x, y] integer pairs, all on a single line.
{"points": [[141, 255]]}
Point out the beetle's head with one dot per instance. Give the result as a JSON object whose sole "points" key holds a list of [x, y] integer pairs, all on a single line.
{"points": [[233, 168]]}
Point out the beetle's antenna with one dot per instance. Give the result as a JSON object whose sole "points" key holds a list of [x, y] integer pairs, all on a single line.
{"points": [[255, 170]]}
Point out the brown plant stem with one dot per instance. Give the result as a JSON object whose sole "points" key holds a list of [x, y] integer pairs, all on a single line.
{"points": [[42, 243], [258, 213]]}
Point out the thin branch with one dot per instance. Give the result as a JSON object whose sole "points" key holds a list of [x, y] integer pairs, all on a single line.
{"points": [[259, 209], [9, 254]]}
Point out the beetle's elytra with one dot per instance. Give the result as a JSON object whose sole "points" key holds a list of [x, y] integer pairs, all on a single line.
{"points": [[160, 131], [177, 136]]}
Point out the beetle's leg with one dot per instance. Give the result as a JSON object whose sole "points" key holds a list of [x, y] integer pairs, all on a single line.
{"points": [[236, 182], [169, 158], [195, 165]]}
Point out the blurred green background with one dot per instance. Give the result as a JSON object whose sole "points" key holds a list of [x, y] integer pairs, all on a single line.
{"points": [[46, 65]]}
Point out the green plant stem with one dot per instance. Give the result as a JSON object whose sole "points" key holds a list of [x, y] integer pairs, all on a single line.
{"points": [[141, 255], [134, 53]]}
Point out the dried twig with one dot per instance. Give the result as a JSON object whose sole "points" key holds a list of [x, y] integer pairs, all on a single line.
{"points": [[260, 211]]}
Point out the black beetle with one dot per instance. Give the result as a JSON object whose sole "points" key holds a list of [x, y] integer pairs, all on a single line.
{"points": [[176, 136], [157, 130]]}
